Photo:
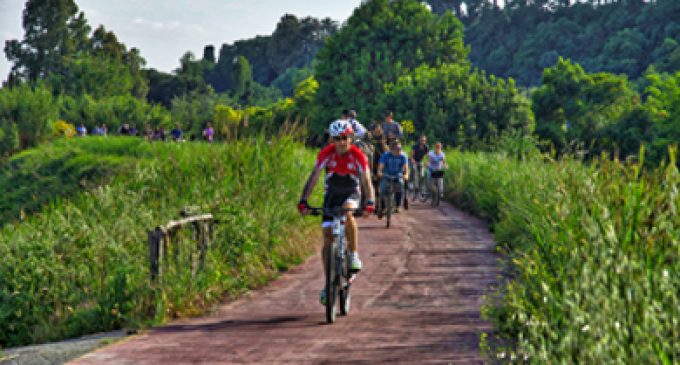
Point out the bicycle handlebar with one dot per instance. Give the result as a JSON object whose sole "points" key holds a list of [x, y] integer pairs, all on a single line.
{"points": [[337, 211], [392, 177]]}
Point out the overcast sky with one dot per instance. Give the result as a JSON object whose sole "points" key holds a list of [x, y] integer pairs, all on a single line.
{"points": [[164, 30]]}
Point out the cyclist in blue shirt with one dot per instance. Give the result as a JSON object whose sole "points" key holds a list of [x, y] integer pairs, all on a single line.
{"points": [[394, 163]]}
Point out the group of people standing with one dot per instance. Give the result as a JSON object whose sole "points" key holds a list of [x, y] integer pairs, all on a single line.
{"points": [[102, 130], [152, 134]]}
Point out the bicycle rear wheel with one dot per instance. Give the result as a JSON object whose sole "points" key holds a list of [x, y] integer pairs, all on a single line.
{"points": [[423, 192], [332, 283]]}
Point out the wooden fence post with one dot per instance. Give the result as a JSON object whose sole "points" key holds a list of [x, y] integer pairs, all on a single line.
{"points": [[159, 242]]}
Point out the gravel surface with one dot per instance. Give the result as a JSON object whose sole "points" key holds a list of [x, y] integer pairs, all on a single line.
{"points": [[58, 352]]}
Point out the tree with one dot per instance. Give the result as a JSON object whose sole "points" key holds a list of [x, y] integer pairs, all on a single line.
{"points": [[241, 79], [287, 81], [621, 53], [54, 31], [458, 106], [667, 55], [209, 54], [95, 76], [663, 104], [441, 6], [26, 116], [381, 41], [575, 107]]}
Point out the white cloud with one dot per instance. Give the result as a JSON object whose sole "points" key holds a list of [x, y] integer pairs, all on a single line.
{"points": [[172, 27]]}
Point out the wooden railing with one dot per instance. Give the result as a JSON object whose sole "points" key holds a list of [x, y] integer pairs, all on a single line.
{"points": [[162, 239]]}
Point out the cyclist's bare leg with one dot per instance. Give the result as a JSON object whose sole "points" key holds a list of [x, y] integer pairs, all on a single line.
{"points": [[351, 231]]}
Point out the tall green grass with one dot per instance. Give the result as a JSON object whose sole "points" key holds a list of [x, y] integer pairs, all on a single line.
{"points": [[593, 257], [81, 264], [32, 178]]}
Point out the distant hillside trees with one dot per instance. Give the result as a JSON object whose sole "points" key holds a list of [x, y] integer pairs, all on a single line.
{"points": [[604, 112], [523, 37], [281, 60]]}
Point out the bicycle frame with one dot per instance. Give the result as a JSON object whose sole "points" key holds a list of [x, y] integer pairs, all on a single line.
{"points": [[339, 277]]}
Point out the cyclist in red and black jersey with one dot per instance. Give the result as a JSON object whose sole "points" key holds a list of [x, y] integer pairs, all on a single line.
{"points": [[347, 170]]}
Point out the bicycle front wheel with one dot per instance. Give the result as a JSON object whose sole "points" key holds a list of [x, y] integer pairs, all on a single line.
{"points": [[345, 297], [332, 283], [413, 191], [389, 207]]}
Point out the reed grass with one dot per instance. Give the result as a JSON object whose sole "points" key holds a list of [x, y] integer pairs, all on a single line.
{"points": [[80, 265], [592, 257]]}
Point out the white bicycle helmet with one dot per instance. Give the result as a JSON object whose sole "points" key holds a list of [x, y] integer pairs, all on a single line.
{"points": [[340, 128]]}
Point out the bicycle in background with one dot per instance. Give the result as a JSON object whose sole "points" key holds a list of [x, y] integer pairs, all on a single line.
{"points": [[387, 201], [435, 188], [417, 188]]}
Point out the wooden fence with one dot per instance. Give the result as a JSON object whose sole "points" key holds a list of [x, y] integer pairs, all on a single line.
{"points": [[162, 241]]}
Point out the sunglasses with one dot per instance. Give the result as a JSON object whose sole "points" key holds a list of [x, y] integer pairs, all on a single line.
{"points": [[341, 138]]}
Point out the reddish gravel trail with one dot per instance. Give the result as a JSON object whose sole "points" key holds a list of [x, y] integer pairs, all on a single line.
{"points": [[416, 301]]}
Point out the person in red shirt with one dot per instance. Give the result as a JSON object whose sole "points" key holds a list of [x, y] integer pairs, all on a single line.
{"points": [[347, 170]]}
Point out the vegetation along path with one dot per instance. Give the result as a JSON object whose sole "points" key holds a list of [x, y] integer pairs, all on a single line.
{"points": [[417, 301]]}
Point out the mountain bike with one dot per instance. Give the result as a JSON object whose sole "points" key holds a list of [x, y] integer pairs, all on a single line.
{"points": [[339, 274], [387, 198]]}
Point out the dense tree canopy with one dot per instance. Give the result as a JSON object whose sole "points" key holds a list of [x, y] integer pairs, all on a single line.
{"points": [[293, 44], [55, 30], [460, 107], [523, 37], [57, 47], [382, 41], [572, 106]]}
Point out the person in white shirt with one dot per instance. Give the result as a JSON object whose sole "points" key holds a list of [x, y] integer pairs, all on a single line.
{"points": [[436, 161]]}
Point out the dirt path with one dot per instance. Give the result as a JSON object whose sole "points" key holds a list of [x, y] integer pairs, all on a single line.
{"points": [[417, 301]]}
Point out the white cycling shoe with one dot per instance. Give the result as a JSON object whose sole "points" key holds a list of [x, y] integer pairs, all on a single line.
{"points": [[355, 262]]}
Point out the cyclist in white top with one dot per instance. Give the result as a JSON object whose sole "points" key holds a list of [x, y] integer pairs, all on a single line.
{"points": [[436, 161]]}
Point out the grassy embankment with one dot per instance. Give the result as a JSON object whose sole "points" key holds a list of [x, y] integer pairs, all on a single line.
{"points": [[80, 263], [593, 257]]}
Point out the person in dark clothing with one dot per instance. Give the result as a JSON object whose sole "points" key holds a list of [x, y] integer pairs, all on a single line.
{"points": [[124, 130], [418, 153]]}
